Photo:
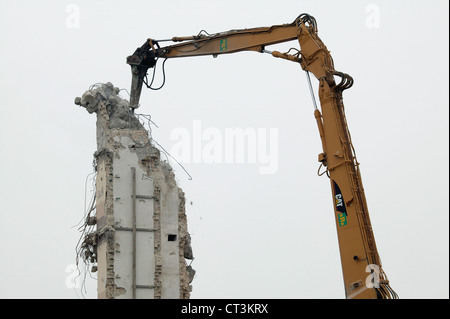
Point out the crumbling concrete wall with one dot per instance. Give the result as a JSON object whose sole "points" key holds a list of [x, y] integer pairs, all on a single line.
{"points": [[141, 240]]}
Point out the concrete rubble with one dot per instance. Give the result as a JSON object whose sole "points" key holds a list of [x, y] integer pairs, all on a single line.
{"points": [[141, 243]]}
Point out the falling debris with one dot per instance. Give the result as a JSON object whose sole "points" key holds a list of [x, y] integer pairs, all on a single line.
{"points": [[141, 242]]}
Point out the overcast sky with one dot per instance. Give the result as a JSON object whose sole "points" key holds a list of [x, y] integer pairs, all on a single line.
{"points": [[254, 235]]}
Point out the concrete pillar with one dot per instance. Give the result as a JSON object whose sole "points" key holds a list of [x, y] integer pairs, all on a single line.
{"points": [[141, 237]]}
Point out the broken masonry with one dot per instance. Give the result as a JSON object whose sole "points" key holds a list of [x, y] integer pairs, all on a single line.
{"points": [[141, 243]]}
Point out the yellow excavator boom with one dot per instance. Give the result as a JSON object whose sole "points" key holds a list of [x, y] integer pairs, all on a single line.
{"points": [[361, 264]]}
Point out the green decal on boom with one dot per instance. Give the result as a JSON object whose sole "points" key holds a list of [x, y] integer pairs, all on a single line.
{"points": [[342, 217], [223, 45]]}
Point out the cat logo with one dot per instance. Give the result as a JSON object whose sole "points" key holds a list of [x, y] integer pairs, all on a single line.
{"points": [[341, 211], [339, 201]]}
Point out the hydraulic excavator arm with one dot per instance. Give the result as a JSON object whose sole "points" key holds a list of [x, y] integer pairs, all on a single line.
{"points": [[254, 39], [361, 265]]}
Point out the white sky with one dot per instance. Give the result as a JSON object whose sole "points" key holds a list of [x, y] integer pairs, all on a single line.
{"points": [[254, 236]]}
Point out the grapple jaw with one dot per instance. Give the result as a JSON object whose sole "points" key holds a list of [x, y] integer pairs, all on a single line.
{"points": [[141, 60]]}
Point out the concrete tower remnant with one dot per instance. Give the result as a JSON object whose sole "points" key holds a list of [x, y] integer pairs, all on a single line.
{"points": [[141, 243]]}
